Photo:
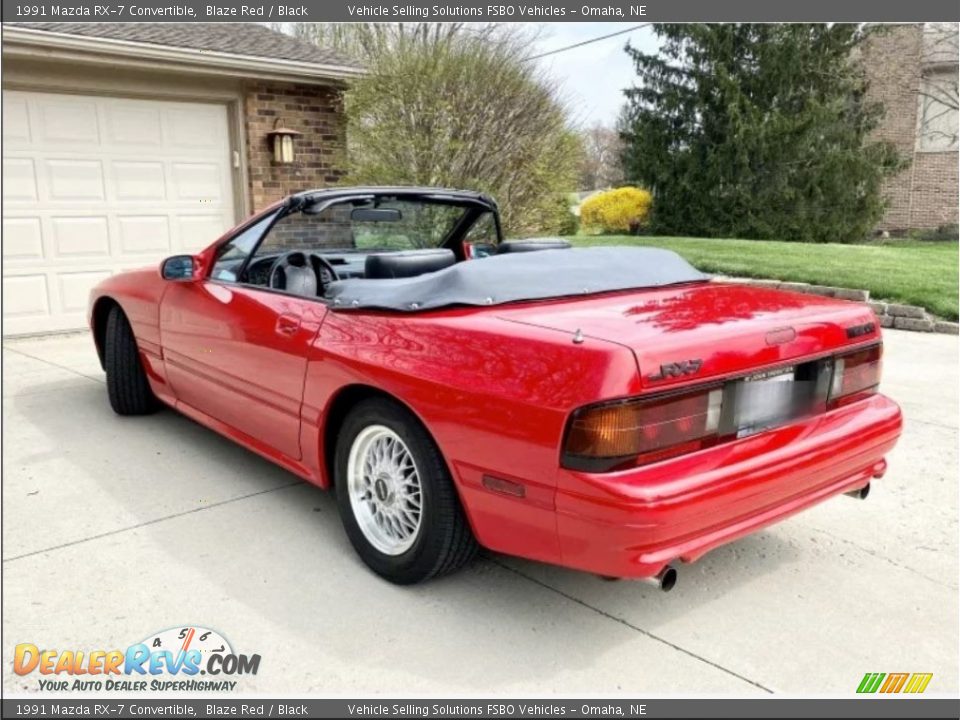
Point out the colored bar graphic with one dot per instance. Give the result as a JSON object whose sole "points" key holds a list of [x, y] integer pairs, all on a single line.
{"points": [[918, 682], [870, 682], [894, 682]]}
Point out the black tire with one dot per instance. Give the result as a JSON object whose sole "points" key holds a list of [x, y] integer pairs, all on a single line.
{"points": [[444, 541], [127, 385]]}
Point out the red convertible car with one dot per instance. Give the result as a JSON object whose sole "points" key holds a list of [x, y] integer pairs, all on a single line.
{"points": [[606, 409]]}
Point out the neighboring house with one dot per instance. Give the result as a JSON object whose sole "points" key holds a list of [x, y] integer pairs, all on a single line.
{"points": [[126, 143], [913, 69]]}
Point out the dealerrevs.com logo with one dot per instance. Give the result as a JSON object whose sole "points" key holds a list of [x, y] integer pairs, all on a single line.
{"points": [[177, 659]]}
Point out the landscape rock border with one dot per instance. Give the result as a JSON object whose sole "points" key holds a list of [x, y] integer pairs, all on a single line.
{"points": [[890, 315]]}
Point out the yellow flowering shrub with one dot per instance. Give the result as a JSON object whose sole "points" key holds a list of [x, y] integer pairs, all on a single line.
{"points": [[621, 210]]}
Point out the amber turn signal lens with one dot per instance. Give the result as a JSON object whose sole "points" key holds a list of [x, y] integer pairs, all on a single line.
{"points": [[637, 431]]}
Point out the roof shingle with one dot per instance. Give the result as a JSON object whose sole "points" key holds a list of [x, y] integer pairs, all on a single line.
{"points": [[249, 39]]}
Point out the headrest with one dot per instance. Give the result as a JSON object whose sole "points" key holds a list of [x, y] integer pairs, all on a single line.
{"points": [[407, 263]]}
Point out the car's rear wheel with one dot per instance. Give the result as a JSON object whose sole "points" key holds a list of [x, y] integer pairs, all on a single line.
{"points": [[127, 385], [396, 496]]}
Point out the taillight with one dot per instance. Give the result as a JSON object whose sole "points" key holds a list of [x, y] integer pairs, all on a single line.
{"points": [[855, 375], [627, 433], [636, 432]]}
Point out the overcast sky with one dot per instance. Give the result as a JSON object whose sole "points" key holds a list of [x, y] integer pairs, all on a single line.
{"points": [[592, 77]]}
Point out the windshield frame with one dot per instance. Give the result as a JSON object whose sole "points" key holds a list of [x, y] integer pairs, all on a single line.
{"points": [[476, 205], [474, 209]]}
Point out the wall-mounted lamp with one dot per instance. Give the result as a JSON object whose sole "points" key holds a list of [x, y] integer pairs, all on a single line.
{"points": [[282, 143]]}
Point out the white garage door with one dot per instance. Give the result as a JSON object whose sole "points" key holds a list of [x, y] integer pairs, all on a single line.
{"points": [[95, 185]]}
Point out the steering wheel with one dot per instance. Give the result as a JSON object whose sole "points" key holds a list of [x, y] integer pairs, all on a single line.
{"points": [[326, 268], [292, 271]]}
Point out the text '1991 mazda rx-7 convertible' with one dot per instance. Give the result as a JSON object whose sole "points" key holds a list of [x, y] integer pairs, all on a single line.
{"points": [[609, 409]]}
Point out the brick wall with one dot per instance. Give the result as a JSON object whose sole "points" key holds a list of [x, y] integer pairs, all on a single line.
{"points": [[319, 154], [935, 196], [924, 195], [330, 229]]}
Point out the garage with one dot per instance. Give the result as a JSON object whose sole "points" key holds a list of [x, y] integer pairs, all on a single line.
{"points": [[126, 143], [96, 185]]}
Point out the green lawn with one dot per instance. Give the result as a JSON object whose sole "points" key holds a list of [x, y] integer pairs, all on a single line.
{"points": [[908, 271]]}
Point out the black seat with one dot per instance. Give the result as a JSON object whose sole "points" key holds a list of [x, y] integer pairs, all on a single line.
{"points": [[407, 263], [532, 244]]}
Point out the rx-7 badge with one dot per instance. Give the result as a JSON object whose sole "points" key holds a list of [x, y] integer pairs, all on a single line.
{"points": [[677, 369]]}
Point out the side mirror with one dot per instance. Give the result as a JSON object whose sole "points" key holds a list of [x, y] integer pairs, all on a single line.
{"points": [[178, 267]]}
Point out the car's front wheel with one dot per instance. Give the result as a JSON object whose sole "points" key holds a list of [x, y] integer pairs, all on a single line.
{"points": [[396, 496], [127, 385]]}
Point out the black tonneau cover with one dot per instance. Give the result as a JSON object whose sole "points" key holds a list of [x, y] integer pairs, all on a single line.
{"points": [[519, 276]]}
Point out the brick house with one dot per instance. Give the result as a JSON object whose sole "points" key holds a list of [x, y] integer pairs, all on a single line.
{"points": [[912, 70], [126, 143]]}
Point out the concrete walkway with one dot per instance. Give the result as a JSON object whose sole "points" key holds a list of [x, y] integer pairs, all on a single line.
{"points": [[115, 528]]}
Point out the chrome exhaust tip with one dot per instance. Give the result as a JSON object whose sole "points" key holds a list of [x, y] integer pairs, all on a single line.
{"points": [[664, 580], [860, 493]]}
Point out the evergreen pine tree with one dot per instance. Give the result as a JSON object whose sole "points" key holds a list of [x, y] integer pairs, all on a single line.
{"points": [[757, 131]]}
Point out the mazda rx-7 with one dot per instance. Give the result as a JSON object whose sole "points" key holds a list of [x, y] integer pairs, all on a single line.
{"points": [[609, 409]]}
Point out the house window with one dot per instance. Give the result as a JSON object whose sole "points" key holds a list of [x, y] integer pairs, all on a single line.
{"points": [[938, 131]]}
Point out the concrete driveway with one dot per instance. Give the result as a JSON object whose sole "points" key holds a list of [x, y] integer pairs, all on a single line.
{"points": [[115, 528]]}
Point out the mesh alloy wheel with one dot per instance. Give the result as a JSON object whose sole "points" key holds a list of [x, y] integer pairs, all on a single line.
{"points": [[397, 499], [384, 487]]}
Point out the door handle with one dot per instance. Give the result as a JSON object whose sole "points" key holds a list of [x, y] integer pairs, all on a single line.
{"points": [[288, 324]]}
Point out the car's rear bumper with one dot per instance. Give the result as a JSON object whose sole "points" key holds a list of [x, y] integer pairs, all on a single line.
{"points": [[634, 522]]}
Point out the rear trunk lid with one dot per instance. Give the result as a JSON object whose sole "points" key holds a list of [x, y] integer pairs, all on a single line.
{"points": [[687, 334]]}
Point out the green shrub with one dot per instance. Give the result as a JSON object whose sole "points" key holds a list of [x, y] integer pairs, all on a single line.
{"points": [[567, 222], [944, 233], [622, 210]]}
